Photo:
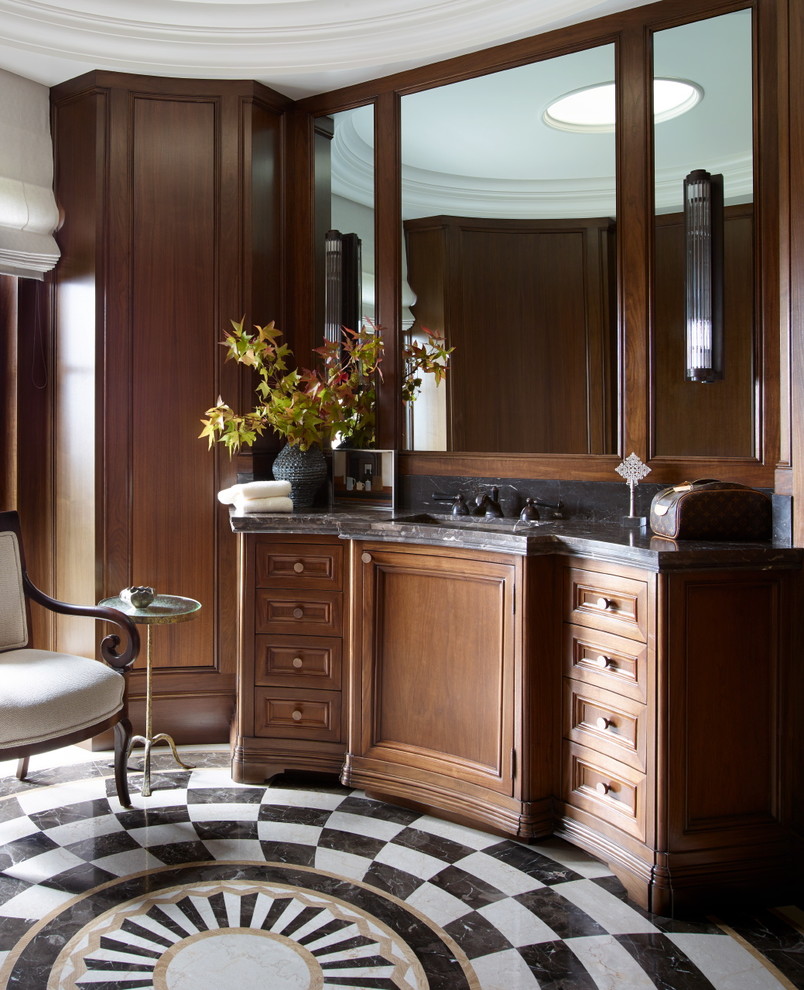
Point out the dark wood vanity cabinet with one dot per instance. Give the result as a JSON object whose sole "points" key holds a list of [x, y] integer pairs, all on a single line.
{"points": [[645, 712], [676, 733], [290, 705]]}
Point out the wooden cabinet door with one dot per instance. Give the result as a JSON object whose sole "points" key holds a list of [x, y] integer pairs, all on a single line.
{"points": [[434, 677]]}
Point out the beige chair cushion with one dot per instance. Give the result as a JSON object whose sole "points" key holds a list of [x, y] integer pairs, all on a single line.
{"points": [[13, 625], [44, 695]]}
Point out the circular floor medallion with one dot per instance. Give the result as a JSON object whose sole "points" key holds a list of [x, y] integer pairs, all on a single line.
{"points": [[240, 933]]}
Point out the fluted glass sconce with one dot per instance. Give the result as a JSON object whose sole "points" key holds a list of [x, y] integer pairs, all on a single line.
{"points": [[703, 228]]}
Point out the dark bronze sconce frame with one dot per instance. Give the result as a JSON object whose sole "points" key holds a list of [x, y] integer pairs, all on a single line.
{"points": [[703, 228]]}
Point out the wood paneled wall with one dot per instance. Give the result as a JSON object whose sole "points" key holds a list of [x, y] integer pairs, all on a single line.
{"points": [[171, 193]]}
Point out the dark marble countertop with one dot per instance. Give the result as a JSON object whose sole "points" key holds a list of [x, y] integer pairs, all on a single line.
{"points": [[596, 540]]}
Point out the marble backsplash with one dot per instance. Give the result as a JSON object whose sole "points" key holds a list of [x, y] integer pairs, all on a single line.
{"points": [[595, 501]]}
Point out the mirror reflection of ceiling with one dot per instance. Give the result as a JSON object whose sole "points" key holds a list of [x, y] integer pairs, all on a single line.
{"points": [[481, 148], [297, 47]]}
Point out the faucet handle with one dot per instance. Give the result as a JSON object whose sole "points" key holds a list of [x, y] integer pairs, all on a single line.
{"points": [[529, 511]]}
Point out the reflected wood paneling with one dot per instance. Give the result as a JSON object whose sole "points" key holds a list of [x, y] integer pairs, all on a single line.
{"points": [[537, 289], [690, 419]]}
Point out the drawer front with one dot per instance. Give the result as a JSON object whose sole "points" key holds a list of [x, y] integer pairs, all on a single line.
{"points": [[605, 788], [288, 565], [283, 612], [605, 722], [610, 602], [296, 661], [287, 714], [610, 662]]}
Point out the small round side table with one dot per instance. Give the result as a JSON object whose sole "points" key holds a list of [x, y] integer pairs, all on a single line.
{"points": [[162, 610]]}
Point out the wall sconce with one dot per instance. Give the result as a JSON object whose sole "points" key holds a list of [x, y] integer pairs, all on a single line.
{"points": [[703, 234]]}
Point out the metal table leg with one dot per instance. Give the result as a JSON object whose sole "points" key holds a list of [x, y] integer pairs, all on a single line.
{"points": [[149, 740]]}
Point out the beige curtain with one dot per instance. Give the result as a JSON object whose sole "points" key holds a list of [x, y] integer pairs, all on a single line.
{"points": [[28, 212]]}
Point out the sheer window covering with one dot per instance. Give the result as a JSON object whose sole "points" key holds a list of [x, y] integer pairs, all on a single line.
{"points": [[28, 212]]}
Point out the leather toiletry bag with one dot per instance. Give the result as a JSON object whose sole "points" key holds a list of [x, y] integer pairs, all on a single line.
{"points": [[711, 510]]}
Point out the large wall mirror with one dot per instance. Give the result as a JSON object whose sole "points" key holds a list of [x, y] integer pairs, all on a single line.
{"points": [[551, 253], [509, 226], [713, 131]]}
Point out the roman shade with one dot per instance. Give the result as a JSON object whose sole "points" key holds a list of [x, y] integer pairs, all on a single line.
{"points": [[28, 212]]}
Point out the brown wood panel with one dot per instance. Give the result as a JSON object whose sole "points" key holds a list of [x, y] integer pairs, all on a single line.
{"points": [[437, 695], [715, 420], [723, 691], [173, 195], [76, 386]]}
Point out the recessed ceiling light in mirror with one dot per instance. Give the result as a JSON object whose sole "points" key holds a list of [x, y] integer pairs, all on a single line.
{"points": [[593, 109]]}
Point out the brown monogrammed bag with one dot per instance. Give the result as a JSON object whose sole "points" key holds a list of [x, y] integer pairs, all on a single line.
{"points": [[711, 510]]}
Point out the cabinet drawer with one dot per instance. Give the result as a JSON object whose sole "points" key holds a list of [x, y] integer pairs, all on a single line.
{"points": [[307, 565], [285, 713], [605, 722], [610, 602], [610, 662], [296, 661], [605, 788], [318, 613]]}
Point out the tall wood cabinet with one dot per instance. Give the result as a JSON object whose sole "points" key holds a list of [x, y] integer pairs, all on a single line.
{"points": [[169, 190]]}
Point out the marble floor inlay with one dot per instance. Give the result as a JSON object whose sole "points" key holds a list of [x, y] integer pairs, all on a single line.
{"points": [[208, 884]]}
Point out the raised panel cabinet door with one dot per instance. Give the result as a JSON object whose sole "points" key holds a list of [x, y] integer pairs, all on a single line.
{"points": [[437, 666], [726, 655]]}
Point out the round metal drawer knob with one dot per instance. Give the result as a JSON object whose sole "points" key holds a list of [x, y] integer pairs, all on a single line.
{"points": [[297, 662], [603, 723], [602, 788], [298, 567], [296, 715], [298, 613], [605, 603], [602, 661]]}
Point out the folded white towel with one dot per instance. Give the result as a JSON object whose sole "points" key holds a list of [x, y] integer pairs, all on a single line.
{"points": [[275, 504], [254, 490]]}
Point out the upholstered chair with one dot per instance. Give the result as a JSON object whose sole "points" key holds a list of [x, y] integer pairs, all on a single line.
{"points": [[50, 699]]}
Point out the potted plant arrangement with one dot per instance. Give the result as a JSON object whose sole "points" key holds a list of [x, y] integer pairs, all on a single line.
{"points": [[312, 409]]}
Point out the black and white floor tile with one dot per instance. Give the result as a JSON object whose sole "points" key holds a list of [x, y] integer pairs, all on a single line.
{"points": [[208, 885]]}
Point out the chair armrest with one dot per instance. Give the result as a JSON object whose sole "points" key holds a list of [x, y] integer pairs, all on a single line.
{"points": [[120, 659]]}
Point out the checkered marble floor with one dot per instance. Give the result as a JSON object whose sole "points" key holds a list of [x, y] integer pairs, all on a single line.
{"points": [[208, 885]]}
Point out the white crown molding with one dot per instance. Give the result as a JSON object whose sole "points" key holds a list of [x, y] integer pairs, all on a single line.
{"points": [[302, 46]]}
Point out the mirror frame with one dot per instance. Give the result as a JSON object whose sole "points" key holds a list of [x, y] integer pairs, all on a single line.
{"points": [[631, 33]]}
